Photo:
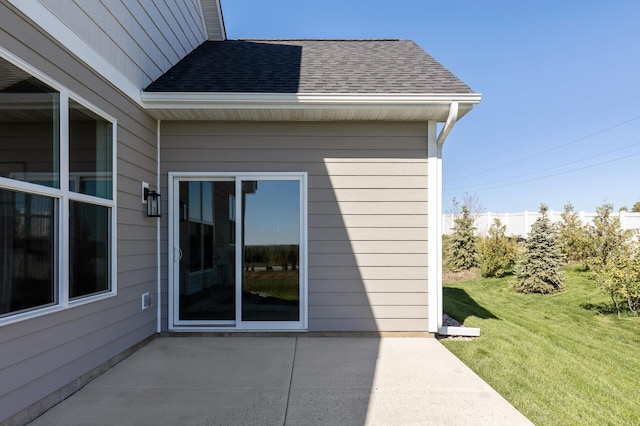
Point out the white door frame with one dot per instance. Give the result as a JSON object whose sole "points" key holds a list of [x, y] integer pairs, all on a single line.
{"points": [[174, 254]]}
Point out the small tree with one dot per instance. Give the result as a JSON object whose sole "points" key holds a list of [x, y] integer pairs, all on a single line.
{"points": [[606, 236], [636, 207], [614, 259], [618, 278], [471, 201], [538, 271], [498, 253], [573, 237], [463, 253]]}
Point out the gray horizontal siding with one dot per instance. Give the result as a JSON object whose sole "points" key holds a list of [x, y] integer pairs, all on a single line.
{"points": [[368, 286], [370, 220], [364, 312], [360, 260], [43, 354], [370, 323], [377, 246], [141, 39], [322, 233], [367, 220]]}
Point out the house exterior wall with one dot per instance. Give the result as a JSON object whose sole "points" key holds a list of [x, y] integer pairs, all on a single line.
{"points": [[141, 39], [42, 354], [367, 209]]}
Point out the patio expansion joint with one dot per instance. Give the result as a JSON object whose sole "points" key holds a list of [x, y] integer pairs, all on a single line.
{"points": [[293, 364]]}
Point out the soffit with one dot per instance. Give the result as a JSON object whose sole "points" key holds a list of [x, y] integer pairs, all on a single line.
{"points": [[213, 20]]}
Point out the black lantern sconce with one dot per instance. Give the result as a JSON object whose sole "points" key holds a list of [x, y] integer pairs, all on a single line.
{"points": [[153, 203]]}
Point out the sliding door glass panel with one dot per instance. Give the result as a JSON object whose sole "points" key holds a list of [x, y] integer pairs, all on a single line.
{"points": [[207, 261], [271, 250]]}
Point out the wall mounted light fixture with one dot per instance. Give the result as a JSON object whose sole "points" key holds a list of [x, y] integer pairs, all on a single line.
{"points": [[153, 203]]}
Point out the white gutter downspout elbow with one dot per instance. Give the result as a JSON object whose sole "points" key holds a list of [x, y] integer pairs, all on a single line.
{"points": [[435, 222], [451, 121]]}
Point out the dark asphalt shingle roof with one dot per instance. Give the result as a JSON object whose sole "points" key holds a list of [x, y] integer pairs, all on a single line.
{"points": [[309, 66]]}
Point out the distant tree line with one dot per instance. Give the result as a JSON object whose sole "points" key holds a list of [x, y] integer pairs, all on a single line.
{"points": [[284, 256], [634, 209]]}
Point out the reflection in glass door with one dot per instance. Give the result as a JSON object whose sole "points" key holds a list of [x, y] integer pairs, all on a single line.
{"points": [[271, 250], [207, 251]]}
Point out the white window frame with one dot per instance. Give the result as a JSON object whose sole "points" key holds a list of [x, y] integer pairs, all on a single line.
{"points": [[173, 253], [63, 196]]}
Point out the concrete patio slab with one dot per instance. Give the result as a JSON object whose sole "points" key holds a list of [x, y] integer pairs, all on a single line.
{"points": [[332, 381], [417, 380], [287, 380]]}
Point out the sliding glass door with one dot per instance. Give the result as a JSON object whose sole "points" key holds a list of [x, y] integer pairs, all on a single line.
{"points": [[238, 258], [206, 288]]}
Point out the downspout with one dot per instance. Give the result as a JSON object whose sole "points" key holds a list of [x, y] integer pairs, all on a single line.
{"points": [[158, 225], [448, 125], [435, 145]]}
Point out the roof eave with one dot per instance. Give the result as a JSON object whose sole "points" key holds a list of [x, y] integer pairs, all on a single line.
{"points": [[304, 106]]}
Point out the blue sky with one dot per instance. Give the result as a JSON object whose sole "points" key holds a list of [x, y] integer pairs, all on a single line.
{"points": [[559, 119], [272, 214]]}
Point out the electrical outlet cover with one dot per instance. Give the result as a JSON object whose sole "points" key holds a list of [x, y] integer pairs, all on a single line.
{"points": [[147, 300]]}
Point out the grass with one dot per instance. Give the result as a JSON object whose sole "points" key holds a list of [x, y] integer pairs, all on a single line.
{"points": [[561, 359], [282, 285]]}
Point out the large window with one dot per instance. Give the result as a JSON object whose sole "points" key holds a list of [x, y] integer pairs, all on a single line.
{"points": [[57, 199]]}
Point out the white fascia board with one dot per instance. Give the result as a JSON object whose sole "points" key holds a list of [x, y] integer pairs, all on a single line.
{"points": [[49, 22], [207, 100]]}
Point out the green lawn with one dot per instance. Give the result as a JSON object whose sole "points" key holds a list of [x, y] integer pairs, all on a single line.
{"points": [[562, 359], [278, 284]]}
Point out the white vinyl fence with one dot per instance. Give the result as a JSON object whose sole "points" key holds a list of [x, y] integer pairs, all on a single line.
{"points": [[520, 223]]}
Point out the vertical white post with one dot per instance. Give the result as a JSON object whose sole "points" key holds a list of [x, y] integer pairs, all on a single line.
{"points": [[434, 231], [158, 247]]}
